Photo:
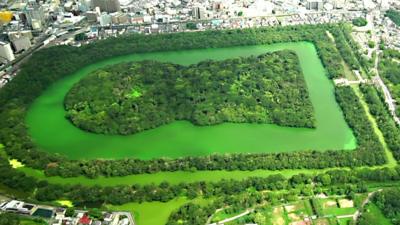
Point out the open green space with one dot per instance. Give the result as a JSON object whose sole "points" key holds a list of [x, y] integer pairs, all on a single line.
{"points": [[54, 133], [154, 213], [32, 222], [373, 215], [345, 221]]}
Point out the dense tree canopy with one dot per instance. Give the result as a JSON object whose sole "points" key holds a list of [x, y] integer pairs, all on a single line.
{"points": [[131, 97]]}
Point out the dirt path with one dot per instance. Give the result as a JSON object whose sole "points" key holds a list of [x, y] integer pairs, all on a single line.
{"points": [[358, 212]]}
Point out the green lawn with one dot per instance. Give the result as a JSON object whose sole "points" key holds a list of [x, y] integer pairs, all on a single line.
{"points": [[348, 73], [389, 155], [330, 207], [374, 215], [339, 211], [154, 213], [344, 221], [32, 222], [223, 215]]}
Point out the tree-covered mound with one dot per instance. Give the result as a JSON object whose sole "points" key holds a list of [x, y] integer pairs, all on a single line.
{"points": [[131, 97]]}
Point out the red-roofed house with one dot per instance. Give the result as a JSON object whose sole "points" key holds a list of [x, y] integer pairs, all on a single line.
{"points": [[85, 220]]}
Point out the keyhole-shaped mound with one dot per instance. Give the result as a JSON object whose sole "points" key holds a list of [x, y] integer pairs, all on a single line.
{"points": [[131, 97]]}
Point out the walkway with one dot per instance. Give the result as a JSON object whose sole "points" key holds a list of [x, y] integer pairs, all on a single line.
{"points": [[233, 218], [388, 97]]}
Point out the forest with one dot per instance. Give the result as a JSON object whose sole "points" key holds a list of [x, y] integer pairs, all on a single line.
{"points": [[338, 181], [131, 97], [50, 64]]}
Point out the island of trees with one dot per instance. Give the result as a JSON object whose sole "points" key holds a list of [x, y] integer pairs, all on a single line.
{"points": [[131, 97]]}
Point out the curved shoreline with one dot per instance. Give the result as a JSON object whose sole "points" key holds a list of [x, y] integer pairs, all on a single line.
{"points": [[53, 133]]}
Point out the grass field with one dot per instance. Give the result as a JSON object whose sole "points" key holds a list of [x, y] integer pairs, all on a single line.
{"points": [[154, 213], [344, 221], [391, 160], [374, 215], [330, 207], [221, 215], [31, 222]]}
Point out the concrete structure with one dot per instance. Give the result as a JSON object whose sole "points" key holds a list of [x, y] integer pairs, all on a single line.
{"points": [[315, 5], [21, 44], [198, 13], [109, 6], [91, 16], [105, 19], [35, 16], [18, 206], [6, 53]]}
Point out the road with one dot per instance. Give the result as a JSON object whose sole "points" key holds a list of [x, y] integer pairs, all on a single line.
{"points": [[377, 79], [234, 217], [388, 97]]}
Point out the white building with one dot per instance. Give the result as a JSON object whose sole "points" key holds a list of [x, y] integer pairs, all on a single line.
{"points": [[6, 53], [17, 206], [105, 19], [21, 44], [315, 5]]}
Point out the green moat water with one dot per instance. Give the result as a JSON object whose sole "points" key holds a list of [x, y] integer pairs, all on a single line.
{"points": [[54, 133]]}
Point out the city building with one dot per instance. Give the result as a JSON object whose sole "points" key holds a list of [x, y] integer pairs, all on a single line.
{"points": [[105, 19], [6, 53], [35, 17], [109, 6], [21, 43], [18, 206], [315, 5], [198, 13]]}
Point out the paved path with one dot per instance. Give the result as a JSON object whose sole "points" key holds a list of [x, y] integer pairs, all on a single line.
{"points": [[388, 97], [233, 218]]}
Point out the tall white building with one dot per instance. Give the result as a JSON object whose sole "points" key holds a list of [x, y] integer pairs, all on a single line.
{"points": [[105, 19], [315, 5], [198, 13], [35, 16], [6, 53]]}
